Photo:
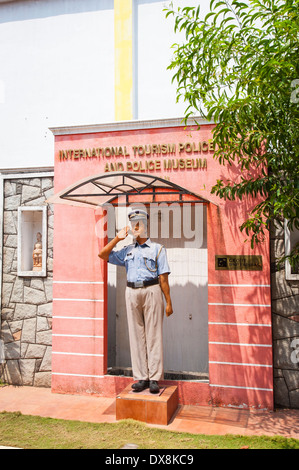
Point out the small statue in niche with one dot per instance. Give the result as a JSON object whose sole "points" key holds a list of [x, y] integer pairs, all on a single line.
{"points": [[37, 253]]}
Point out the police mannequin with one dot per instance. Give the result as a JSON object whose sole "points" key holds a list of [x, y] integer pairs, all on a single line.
{"points": [[147, 278]]}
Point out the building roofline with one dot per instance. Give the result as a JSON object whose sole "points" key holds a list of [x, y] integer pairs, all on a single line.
{"points": [[25, 172], [128, 125]]}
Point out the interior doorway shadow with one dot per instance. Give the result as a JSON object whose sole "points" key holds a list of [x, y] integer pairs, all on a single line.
{"points": [[185, 334]]}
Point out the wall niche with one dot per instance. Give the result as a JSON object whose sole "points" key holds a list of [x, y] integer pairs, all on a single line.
{"points": [[32, 241]]}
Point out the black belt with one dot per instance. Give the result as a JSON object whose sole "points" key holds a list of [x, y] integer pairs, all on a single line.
{"points": [[138, 284]]}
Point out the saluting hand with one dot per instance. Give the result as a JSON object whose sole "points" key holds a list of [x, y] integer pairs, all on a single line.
{"points": [[106, 250], [123, 233]]}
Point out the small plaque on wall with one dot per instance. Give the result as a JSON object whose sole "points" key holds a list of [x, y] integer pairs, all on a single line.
{"points": [[238, 263]]}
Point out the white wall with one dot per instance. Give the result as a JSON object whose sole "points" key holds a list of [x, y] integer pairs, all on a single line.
{"points": [[155, 36], [57, 69]]}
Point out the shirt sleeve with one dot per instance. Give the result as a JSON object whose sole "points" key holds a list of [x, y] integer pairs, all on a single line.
{"points": [[117, 257], [163, 266]]}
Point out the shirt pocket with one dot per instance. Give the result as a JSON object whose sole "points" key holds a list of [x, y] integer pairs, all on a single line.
{"points": [[150, 262], [129, 260]]}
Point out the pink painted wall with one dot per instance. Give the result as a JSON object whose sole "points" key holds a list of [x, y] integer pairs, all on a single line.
{"points": [[240, 338]]}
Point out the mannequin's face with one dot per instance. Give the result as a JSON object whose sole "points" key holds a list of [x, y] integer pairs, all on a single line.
{"points": [[139, 229]]}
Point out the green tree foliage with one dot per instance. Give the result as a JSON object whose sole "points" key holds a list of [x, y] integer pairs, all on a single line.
{"points": [[239, 67]]}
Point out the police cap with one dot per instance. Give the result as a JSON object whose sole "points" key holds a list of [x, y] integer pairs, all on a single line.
{"points": [[137, 214]]}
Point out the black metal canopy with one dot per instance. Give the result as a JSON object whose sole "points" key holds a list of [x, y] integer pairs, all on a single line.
{"points": [[121, 188]]}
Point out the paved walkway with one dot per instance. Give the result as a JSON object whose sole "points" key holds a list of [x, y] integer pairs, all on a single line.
{"points": [[194, 419]]}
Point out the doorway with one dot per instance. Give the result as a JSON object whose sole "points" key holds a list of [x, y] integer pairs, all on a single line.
{"points": [[186, 331]]}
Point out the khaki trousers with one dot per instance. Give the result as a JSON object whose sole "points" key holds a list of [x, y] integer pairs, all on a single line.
{"points": [[145, 311]]}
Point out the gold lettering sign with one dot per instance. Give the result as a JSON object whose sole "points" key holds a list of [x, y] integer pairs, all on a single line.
{"points": [[191, 156], [238, 263]]}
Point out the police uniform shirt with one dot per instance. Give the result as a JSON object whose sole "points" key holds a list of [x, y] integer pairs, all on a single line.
{"points": [[140, 260]]}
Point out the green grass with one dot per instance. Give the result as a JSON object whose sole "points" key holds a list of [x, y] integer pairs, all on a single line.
{"points": [[34, 432]]}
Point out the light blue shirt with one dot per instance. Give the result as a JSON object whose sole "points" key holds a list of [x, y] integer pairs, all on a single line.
{"points": [[140, 260]]}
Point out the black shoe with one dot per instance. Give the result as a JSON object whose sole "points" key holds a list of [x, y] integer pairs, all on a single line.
{"points": [[139, 386], [154, 387]]}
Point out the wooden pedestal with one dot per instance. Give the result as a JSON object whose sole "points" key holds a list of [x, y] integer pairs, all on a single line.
{"points": [[147, 407]]}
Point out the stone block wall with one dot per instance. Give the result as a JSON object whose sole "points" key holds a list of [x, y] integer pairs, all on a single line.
{"points": [[26, 308], [285, 312]]}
